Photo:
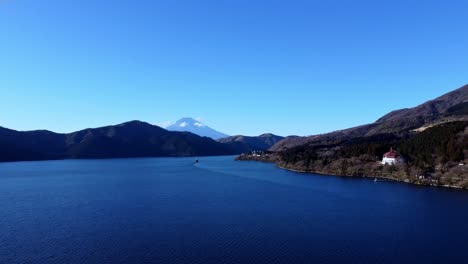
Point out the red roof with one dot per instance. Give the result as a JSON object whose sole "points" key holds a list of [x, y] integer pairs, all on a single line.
{"points": [[392, 154]]}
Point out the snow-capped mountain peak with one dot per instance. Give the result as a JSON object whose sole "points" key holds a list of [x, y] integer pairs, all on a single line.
{"points": [[196, 127]]}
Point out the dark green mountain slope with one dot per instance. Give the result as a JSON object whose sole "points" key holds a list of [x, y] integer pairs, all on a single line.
{"points": [[131, 139]]}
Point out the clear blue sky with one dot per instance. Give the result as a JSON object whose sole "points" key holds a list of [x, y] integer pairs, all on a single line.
{"points": [[243, 66]]}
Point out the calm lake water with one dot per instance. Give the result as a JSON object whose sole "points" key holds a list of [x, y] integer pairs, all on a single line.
{"points": [[168, 210]]}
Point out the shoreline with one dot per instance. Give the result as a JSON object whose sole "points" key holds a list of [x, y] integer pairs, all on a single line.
{"points": [[388, 179]]}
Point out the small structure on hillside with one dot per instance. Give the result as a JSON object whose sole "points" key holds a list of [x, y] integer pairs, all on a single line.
{"points": [[391, 158]]}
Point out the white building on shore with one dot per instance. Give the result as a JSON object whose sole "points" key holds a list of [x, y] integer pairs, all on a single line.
{"points": [[391, 158]]}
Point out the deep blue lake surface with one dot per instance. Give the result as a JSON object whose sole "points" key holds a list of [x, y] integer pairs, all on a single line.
{"points": [[165, 210]]}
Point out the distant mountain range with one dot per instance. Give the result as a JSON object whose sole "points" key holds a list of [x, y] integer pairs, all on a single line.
{"points": [[196, 127], [140, 139], [130, 139], [245, 144]]}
